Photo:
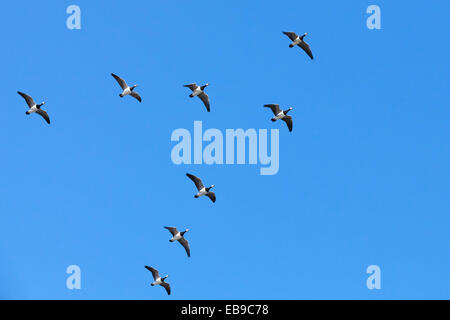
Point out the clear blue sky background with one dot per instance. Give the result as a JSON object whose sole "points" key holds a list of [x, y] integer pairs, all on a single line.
{"points": [[364, 177]]}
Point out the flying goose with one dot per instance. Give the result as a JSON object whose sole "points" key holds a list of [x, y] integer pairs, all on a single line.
{"points": [[199, 92], [280, 115], [202, 191], [298, 40], [34, 107], [126, 89], [179, 236], [158, 280]]}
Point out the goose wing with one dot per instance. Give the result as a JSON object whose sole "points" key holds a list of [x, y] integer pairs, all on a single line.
{"points": [[275, 108], [292, 35], [172, 230], [192, 86], [154, 272], [44, 115], [120, 81], [288, 120], [212, 196], [198, 182], [306, 48], [28, 99], [166, 286], [204, 97], [136, 96], [185, 244]]}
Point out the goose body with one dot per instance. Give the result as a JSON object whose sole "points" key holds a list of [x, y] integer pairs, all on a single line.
{"points": [[281, 115], [33, 107], [299, 41], [202, 191], [198, 91], [179, 236], [126, 90], [158, 281]]}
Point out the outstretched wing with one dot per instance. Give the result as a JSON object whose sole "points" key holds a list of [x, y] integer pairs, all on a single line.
{"points": [[166, 286], [136, 96], [292, 35], [27, 98], [275, 108], [288, 120], [120, 81], [185, 244], [197, 181], [172, 230], [192, 86], [154, 272], [44, 115], [204, 97], [212, 196], [306, 48]]}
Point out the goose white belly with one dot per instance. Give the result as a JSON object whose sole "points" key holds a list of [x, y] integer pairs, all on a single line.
{"points": [[280, 116], [177, 237], [202, 192], [297, 41], [126, 92], [33, 109], [196, 92]]}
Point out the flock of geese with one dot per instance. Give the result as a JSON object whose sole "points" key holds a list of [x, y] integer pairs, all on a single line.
{"points": [[197, 91]]}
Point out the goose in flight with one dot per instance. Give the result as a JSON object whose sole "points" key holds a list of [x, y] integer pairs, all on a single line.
{"points": [[158, 280], [202, 191], [280, 115], [199, 92], [298, 41], [34, 107], [179, 236], [126, 89]]}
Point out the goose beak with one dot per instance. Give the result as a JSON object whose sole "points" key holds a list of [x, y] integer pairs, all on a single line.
{"points": [[187, 230]]}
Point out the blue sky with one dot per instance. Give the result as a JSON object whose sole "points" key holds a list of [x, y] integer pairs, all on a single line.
{"points": [[363, 178]]}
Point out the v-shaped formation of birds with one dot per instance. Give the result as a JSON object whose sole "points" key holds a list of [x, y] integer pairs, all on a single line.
{"points": [[197, 91]]}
